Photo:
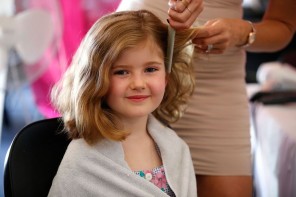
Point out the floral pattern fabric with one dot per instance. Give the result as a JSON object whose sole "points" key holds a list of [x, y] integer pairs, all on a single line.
{"points": [[158, 178]]}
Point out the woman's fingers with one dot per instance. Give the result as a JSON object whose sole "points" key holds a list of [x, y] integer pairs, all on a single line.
{"points": [[182, 14], [218, 33], [211, 48]]}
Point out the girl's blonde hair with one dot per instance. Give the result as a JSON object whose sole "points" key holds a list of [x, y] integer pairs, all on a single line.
{"points": [[80, 95]]}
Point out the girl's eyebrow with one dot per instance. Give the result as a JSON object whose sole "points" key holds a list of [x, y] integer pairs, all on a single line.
{"points": [[127, 66], [154, 62], [116, 66]]}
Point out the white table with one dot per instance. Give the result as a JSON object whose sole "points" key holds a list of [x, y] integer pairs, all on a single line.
{"points": [[275, 150]]}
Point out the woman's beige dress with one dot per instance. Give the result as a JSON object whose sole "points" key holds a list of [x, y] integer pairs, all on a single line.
{"points": [[216, 123]]}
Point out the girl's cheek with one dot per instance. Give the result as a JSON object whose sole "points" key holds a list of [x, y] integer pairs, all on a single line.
{"points": [[159, 86]]}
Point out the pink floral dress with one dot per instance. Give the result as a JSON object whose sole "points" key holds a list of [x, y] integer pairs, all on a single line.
{"points": [[158, 178]]}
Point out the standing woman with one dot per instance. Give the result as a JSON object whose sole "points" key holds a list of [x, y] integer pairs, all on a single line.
{"points": [[216, 123]]}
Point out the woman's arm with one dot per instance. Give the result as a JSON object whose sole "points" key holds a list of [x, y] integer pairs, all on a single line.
{"points": [[277, 27], [273, 32]]}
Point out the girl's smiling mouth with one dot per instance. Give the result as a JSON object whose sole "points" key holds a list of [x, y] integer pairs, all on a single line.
{"points": [[138, 98]]}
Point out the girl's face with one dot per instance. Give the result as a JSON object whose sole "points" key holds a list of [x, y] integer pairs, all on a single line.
{"points": [[137, 81]]}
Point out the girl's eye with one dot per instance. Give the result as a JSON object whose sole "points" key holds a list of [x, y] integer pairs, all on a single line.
{"points": [[120, 72], [151, 69]]}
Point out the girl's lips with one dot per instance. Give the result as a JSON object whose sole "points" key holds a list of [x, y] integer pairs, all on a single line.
{"points": [[138, 97]]}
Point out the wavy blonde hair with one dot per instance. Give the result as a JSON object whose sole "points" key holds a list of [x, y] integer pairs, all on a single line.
{"points": [[80, 95]]}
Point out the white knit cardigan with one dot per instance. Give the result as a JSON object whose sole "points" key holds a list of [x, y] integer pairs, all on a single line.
{"points": [[101, 170]]}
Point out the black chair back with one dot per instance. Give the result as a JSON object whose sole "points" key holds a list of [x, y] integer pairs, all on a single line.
{"points": [[33, 158]]}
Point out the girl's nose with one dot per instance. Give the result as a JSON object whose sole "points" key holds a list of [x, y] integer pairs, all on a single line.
{"points": [[138, 83]]}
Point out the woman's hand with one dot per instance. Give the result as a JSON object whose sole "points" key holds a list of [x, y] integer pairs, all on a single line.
{"points": [[182, 13], [217, 35]]}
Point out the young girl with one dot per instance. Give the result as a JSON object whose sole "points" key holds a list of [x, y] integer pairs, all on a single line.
{"points": [[116, 100]]}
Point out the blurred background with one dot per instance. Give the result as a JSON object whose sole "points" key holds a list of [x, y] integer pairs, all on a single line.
{"points": [[37, 41]]}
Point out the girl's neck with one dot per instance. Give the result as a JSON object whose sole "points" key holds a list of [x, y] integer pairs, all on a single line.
{"points": [[136, 127], [139, 147]]}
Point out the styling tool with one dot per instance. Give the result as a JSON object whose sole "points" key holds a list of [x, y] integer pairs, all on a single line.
{"points": [[170, 47]]}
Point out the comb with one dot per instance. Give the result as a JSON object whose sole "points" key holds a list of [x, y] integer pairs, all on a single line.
{"points": [[170, 47]]}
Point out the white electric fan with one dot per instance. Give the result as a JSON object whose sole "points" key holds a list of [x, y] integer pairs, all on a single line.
{"points": [[29, 33]]}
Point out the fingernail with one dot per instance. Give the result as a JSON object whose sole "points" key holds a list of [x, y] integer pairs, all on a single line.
{"points": [[172, 5]]}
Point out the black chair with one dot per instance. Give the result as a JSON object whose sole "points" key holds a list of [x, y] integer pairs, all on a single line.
{"points": [[33, 158]]}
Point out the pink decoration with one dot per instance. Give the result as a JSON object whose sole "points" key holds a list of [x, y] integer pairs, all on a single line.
{"points": [[72, 20]]}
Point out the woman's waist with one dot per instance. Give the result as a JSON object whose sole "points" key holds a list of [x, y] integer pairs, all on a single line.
{"points": [[232, 57]]}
